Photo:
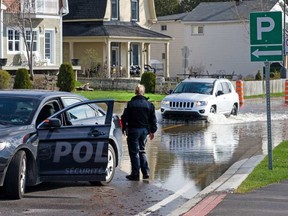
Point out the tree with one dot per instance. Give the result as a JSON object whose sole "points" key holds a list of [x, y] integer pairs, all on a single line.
{"points": [[166, 7], [20, 19], [188, 5]]}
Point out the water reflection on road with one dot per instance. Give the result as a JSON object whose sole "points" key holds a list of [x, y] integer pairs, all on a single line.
{"points": [[198, 153]]}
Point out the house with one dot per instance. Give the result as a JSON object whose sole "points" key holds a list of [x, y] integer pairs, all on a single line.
{"points": [[107, 37], [46, 30], [212, 38]]}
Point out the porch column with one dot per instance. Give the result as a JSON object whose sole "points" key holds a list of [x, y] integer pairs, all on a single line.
{"points": [[128, 60], [71, 50], [148, 53], [142, 55], [2, 8], [108, 51], [167, 54]]}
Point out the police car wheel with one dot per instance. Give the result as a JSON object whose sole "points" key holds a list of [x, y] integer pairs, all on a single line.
{"points": [[111, 166], [15, 180]]}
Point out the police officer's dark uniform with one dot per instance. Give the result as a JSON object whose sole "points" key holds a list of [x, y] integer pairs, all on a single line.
{"points": [[139, 121]]}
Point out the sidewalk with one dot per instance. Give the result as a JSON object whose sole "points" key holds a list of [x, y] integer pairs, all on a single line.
{"points": [[267, 201], [217, 197]]}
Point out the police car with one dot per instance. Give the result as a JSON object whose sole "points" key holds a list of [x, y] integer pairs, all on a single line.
{"points": [[199, 97], [56, 136]]}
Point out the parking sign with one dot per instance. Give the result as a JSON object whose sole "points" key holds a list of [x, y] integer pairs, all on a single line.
{"points": [[266, 36]]}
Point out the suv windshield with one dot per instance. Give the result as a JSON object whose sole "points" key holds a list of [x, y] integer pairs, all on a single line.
{"points": [[194, 87], [17, 110]]}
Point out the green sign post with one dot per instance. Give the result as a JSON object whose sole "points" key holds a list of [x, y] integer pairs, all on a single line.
{"points": [[266, 36], [266, 45]]}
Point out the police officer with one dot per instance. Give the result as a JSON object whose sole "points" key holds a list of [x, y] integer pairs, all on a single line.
{"points": [[139, 121]]}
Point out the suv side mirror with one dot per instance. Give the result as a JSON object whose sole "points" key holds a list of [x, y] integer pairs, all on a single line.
{"points": [[219, 93], [170, 91]]}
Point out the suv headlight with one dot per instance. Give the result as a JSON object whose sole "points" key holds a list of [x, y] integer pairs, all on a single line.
{"points": [[201, 103], [3, 145], [165, 103]]}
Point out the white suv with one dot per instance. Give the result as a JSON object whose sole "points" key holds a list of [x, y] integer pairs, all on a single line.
{"points": [[197, 97]]}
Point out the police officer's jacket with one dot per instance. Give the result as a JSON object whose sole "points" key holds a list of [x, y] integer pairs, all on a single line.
{"points": [[139, 113]]}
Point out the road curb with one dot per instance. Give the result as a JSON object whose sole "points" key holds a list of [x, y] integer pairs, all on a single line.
{"points": [[226, 183]]}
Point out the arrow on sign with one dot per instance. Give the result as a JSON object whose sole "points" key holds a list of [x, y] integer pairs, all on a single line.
{"points": [[258, 53]]}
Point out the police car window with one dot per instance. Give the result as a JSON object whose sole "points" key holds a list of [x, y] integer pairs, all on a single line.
{"points": [[81, 112], [70, 101]]}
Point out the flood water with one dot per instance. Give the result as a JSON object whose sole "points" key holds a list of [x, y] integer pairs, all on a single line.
{"points": [[197, 153]]}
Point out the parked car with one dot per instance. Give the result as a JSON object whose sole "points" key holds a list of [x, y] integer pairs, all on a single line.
{"points": [[56, 136], [198, 97]]}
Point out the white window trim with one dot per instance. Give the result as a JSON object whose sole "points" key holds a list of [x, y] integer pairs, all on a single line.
{"points": [[37, 38], [162, 28], [117, 8], [20, 42], [137, 11], [53, 43], [197, 33]]}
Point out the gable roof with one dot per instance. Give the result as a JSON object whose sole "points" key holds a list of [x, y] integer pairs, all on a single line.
{"points": [[86, 9], [113, 28], [174, 17], [228, 11]]}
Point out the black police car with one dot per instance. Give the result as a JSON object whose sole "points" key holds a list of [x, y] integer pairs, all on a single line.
{"points": [[56, 136]]}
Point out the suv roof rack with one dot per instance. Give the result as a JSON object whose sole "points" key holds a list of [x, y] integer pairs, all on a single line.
{"points": [[216, 76]]}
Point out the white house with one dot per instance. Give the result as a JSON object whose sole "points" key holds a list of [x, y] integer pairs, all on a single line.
{"points": [[213, 38]]}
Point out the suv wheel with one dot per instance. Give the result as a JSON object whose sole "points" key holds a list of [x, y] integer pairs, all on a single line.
{"points": [[213, 109], [234, 110]]}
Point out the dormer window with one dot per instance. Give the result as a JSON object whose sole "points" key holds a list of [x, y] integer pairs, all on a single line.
{"points": [[134, 10], [114, 9]]}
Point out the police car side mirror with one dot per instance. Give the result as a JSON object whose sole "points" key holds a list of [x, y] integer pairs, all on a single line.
{"points": [[50, 123], [170, 91]]}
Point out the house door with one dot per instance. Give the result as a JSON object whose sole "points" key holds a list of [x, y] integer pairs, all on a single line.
{"points": [[49, 46], [115, 61]]}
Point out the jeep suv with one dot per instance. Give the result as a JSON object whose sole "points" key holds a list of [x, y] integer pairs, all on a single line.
{"points": [[198, 97]]}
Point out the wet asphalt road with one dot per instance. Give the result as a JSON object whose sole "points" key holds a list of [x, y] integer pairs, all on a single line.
{"points": [[184, 158]]}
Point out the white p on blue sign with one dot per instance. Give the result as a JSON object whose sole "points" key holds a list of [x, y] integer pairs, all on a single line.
{"points": [[266, 36]]}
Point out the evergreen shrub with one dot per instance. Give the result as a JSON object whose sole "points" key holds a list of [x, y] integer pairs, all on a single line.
{"points": [[148, 79], [66, 78], [4, 79], [22, 79]]}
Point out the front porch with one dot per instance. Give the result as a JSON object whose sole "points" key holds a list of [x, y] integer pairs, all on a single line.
{"points": [[47, 70]]}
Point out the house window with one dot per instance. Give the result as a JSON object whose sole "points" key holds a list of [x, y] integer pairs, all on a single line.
{"points": [[28, 6], [163, 27], [163, 56], [114, 9], [134, 10], [49, 46], [29, 40], [13, 40], [196, 30], [47, 7], [134, 54]]}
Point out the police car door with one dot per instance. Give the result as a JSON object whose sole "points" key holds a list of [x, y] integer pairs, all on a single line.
{"points": [[75, 150]]}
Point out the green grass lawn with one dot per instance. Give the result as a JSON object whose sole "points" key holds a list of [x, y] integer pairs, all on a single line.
{"points": [[117, 95], [262, 176]]}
